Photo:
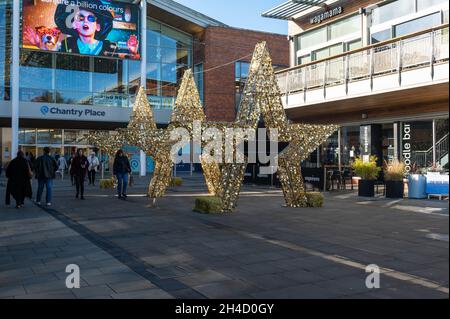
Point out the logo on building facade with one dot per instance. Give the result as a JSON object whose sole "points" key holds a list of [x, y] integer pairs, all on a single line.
{"points": [[44, 109], [406, 152], [54, 110], [326, 15]]}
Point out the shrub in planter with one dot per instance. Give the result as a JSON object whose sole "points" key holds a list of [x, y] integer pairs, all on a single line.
{"points": [[393, 175], [208, 205], [368, 171], [176, 181], [314, 199], [107, 183]]}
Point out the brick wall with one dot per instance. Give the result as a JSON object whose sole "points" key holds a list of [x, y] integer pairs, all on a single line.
{"points": [[223, 45]]}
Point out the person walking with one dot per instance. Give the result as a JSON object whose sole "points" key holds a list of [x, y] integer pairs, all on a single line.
{"points": [[62, 166], [93, 168], [121, 169], [19, 185], [79, 169], [72, 178], [45, 170]]}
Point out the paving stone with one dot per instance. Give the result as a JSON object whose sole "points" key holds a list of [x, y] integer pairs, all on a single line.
{"points": [[226, 289], [144, 294], [122, 287], [92, 291]]}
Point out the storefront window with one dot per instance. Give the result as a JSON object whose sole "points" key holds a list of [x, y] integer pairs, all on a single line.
{"points": [[27, 136], [49, 137]]}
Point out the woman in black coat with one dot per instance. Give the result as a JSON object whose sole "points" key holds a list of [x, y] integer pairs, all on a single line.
{"points": [[19, 175]]}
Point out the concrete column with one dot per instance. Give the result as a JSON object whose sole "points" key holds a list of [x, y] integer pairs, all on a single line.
{"points": [[15, 80], [434, 143], [143, 156]]}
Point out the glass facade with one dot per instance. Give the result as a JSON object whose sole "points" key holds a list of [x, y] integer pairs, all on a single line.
{"points": [[83, 80], [421, 141], [391, 14], [5, 47], [169, 54]]}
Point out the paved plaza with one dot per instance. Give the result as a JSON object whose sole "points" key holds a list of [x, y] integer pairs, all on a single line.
{"points": [[126, 249]]}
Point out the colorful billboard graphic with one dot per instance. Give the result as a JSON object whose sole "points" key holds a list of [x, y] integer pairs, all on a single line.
{"points": [[86, 27]]}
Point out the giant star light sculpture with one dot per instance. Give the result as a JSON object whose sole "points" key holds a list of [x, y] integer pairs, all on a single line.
{"points": [[261, 98]]}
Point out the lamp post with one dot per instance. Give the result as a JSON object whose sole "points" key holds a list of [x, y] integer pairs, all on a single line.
{"points": [[15, 80], [142, 155]]}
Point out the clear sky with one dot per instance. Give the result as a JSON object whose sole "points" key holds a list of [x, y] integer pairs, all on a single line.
{"points": [[240, 13]]}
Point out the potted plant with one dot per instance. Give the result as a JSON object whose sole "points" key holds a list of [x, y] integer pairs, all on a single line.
{"points": [[416, 183], [393, 176], [368, 171]]}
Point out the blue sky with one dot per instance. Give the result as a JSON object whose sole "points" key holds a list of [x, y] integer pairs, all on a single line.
{"points": [[240, 13]]}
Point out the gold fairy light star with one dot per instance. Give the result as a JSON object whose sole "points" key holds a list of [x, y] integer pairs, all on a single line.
{"points": [[261, 99]]}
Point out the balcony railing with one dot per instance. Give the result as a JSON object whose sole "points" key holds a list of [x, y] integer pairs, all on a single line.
{"points": [[422, 49]]}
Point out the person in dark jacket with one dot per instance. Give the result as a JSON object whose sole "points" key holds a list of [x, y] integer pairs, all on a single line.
{"points": [[45, 170], [121, 169], [78, 169], [19, 175]]}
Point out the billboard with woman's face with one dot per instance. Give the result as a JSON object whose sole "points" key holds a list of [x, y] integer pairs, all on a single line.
{"points": [[86, 27]]}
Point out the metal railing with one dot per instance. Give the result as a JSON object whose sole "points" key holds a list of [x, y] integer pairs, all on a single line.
{"points": [[420, 49], [425, 158]]}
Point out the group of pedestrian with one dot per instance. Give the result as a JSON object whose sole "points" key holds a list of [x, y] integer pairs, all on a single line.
{"points": [[20, 173]]}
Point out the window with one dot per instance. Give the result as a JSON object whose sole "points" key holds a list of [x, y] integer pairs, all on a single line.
{"points": [[36, 76], [336, 30], [169, 55], [241, 70], [353, 45], [381, 36], [198, 76], [73, 80], [344, 27], [312, 38], [424, 4], [392, 10], [415, 25]]}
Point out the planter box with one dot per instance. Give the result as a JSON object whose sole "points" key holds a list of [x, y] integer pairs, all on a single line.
{"points": [[366, 188], [395, 189]]}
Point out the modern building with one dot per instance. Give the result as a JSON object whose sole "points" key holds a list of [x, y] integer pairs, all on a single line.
{"points": [[378, 68], [63, 94]]}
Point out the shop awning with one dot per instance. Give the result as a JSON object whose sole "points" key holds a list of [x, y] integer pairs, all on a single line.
{"points": [[291, 8]]}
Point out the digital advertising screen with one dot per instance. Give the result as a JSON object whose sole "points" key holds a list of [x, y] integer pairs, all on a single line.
{"points": [[85, 27]]}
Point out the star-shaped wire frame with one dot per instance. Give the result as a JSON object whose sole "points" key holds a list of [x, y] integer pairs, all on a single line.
{"points": [[261, 98]]}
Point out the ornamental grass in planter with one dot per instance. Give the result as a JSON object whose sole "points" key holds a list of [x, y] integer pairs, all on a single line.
{"points": [[393, 176], [368, 171]]}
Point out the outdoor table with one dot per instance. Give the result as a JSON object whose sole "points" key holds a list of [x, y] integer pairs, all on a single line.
{"points": [[334, 167]]}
